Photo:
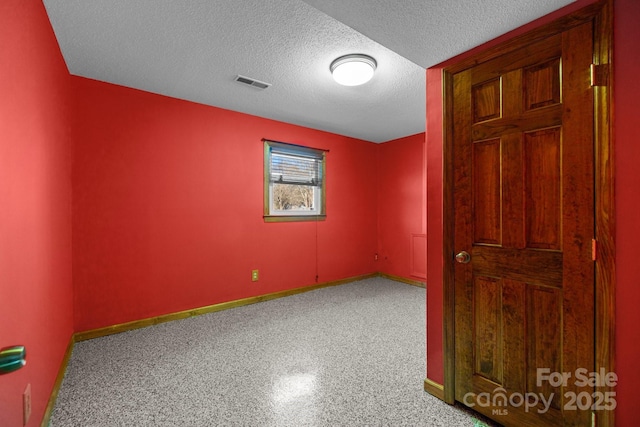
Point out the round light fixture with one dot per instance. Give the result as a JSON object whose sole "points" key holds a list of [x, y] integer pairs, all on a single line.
{"points": [[353, 70]]}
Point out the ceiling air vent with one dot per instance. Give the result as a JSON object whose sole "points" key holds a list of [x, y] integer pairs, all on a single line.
{"points": [[252, 82]]}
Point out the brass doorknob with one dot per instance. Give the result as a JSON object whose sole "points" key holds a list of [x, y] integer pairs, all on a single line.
{"points": [[463, 257]]}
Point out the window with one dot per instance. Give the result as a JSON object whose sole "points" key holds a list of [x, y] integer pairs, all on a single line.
{"points": [[294, 182]]}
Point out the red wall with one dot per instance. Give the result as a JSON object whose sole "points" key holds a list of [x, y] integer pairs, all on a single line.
{"points": [[433, 161], [627, 150], [168, 204], [35, 205], [401, 207]]}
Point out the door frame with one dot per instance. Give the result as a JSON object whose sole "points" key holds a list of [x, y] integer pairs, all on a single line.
{"points": [[601, 14]]}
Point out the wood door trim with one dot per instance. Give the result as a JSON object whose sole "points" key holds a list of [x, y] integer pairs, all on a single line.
{"points": [[604, 205], [448, 274], [601, 14]]}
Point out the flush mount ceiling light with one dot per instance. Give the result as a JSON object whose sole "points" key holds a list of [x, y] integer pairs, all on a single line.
{"points": [[353, 70]]}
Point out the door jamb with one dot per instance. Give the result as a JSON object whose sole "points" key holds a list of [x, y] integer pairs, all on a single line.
{"points": [[604, 233]]}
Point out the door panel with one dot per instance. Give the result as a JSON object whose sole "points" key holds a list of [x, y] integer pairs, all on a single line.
{"points": [[544, 325], [488, 330], [543, 208], [542, 85], [523, 203], [486, 170]]}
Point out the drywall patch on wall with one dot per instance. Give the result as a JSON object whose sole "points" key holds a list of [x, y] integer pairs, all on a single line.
{"points": [[419, 255]]}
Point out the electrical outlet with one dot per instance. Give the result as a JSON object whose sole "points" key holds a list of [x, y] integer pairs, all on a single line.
{"points": [[26, 404], [254, 275]]}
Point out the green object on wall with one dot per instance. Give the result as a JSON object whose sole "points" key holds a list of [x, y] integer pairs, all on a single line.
{"points": [[12, 358]]}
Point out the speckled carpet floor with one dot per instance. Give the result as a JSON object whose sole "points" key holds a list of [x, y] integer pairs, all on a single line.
{"points": [[350, 355]]}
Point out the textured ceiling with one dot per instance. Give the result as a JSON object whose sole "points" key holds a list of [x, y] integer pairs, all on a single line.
{"points": [[428, 32], [193, 49]]}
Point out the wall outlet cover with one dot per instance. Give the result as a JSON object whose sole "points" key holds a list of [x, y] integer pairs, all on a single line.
{"points": [[26, 404]]}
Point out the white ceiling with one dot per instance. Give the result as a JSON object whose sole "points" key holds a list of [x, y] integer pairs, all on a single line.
{"points": [[193, 50]]}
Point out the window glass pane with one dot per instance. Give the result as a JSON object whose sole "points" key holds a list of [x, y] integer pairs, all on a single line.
{"points": [[293, 197]]}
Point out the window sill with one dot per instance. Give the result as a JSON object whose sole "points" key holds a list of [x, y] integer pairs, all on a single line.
{"points": [[293, 218]]}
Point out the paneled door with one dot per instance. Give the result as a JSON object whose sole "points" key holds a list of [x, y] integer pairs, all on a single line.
{"points": [[523, 172]]}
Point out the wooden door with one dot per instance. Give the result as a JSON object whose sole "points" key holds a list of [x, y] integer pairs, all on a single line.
{"points": [[524, 211]]}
